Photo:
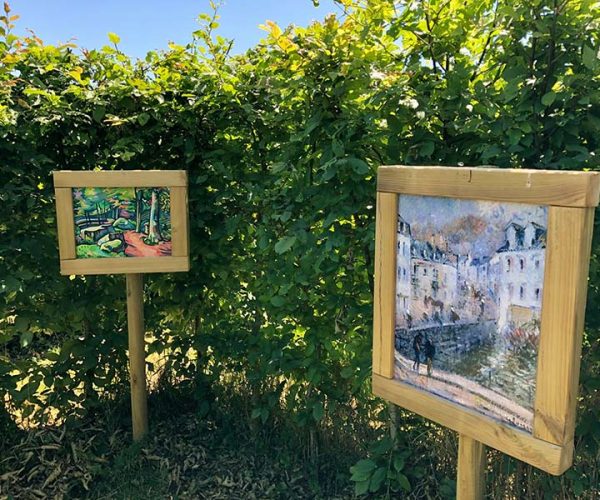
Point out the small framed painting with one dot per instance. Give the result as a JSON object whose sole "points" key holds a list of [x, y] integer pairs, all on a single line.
{"points": [[113, 222], [480, 284]]}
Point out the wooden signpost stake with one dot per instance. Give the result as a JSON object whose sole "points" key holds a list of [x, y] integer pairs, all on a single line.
{"points": [[470, 477], [406, 267], [137, 354], [91, 231]]}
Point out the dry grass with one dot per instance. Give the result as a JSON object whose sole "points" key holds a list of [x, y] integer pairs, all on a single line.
{"points": [[185, 456]]}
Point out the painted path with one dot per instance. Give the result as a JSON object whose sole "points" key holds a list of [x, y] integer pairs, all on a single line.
{"points": [[463, 391], [137, 248]]}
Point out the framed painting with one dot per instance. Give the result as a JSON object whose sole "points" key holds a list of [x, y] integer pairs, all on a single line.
{"points": [[113, 222], [480, 286]]}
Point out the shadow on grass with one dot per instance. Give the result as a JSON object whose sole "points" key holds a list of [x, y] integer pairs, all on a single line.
{"points": [[193, 450]]}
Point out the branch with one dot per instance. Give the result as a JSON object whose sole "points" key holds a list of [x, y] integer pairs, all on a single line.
{"points": [[487, 44]]}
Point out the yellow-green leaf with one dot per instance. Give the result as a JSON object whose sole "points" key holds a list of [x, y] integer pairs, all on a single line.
{"points": [[114, 38]]}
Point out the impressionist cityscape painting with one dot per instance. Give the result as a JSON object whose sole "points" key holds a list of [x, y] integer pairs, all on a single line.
{"points": [[468, 302], [122, 222]]}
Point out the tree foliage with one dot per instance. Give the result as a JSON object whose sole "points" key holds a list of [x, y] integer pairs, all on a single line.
{"points": [[281, 145]]}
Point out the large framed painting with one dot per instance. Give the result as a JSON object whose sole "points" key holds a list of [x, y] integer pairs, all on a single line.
{"points": [[122, 221], [480, 285]]}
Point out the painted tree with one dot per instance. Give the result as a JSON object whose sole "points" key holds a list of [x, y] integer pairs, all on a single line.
{"points": [[139, 207], [154, 235], [93, 201]]}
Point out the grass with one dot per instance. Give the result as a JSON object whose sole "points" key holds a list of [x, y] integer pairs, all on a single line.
{"points": [[94, 251], [204, 444], [189, 453]]}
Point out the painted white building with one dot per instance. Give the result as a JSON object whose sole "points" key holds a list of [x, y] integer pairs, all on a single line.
{"points": [[474, 271], [519, 264], [435, 285], [402, 270], [475, 288], [426, 279]]}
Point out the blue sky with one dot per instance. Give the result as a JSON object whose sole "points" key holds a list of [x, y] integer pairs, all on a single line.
{"points": [[149, 24]]}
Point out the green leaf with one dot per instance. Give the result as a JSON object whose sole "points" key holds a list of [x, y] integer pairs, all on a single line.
{"points": [[514, 136], [284, 244], [318, 411], [589, 57], [548, 99], [337, 147], [329, 173], [277, 300], [383, 446], [278, 167], [52, 356], [114, 38], [404, 482], [398, 463], [377, 479], [427, 148], [360, 488], [11, 284], [578, 487], [511, 90], [26, 338], [143, 118], [264, 414], [362, 468], [313, 123], [98, 113], [525, 127], [358, 165], [22, 324]]}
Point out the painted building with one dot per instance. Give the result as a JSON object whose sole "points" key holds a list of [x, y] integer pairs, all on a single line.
{"points": [[403, 269], [475, 288], [434, 282], [519, 268], [426, 279], [434, 285]]}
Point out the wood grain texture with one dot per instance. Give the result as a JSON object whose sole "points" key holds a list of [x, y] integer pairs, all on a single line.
{"points": [[179, 222], [385, 284], [124, 265], [470, 478], [65, 223], [547, 456], [563, 309], [120, 178], [137, 354], [543, 187]]}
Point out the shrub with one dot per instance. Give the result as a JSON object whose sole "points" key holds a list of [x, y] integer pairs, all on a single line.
{"points": [[281, 145]]}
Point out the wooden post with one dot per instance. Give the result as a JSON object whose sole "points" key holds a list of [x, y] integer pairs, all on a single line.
{"points": [[470, 482], [137, 354]]}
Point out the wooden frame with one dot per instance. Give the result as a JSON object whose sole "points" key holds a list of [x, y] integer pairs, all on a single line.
{"points": [[175, 180], [570, 197]]}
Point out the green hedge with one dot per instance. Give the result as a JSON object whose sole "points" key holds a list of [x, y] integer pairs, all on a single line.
{"points": [[281, 145]]}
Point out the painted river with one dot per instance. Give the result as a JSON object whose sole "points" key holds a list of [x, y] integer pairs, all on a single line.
{"points": [[478, 353]]}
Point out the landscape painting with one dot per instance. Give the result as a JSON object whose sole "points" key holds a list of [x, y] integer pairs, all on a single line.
{"points": [[122, 222], [469, 284]]}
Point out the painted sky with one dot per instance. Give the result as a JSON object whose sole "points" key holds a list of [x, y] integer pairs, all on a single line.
{"points": [[471, 226]]}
